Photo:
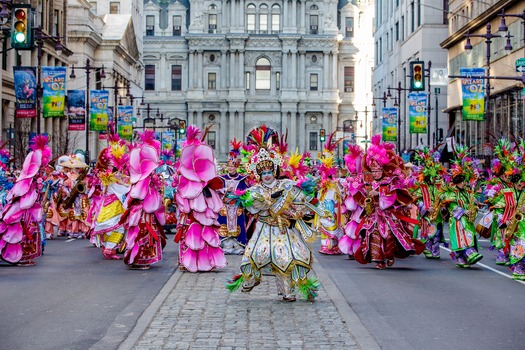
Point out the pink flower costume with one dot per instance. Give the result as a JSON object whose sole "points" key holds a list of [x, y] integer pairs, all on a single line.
{"points": [[145, 208], [20, 239], [354, 196], [199, 205]]}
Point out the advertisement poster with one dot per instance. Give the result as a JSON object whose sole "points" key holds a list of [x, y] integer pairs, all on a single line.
{"points": [[98, 104], [25, 91], [53, 91], [473, 93], [417, 111], [168, 138], [389, 124], [103, 135], [76, 109], [125, 122]]}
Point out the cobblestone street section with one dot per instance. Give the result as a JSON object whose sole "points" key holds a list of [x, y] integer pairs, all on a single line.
{"points": [[199, 313]]}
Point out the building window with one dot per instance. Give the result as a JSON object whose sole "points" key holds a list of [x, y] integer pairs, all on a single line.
{"points": [[313, 141], [176, 78], [349, 79], [278, 81], [314, 82], [114, 7], [276, 19], [177, 25], [55, 30], [212, 23], [262, 74], [150, 77], [93, 5], [212, 137], [349, 27], [263, 23], [212, 81], [250, 21], [397, 31], [412, 20], [150, 25], [314, 24], [247, 81]]}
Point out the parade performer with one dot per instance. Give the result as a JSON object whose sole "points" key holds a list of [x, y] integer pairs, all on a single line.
{"points": [[20, 238], [75, 204], [6, 178], [145, 214], [198, 206], [49, 201], [385, 228], [459, 199], [354, 195], [279, 241], [330, 200], [231, 216], [112, 171], [427, 198]]}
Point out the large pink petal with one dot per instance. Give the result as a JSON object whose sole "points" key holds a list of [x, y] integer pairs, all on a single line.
{"points": [[214, 202], [31, 165], [149, 152], [210, 235], [203, 261], [21, 187], [205, 169], [198, 203], [13, 214], [132, 235], [36, 212], [3, 226], [189, 189], [203, 219], [189, 173], [12, 252], [134, 216], [345, 244], [217, 257], [140, 189], [2, 244], [134, 165], [189, 260], [161, 215], [186, 156], [182, 203], [203, 152], [133, 253], [14, 233], [193, 237], [28, 199], [146, 168], [152, 202]]}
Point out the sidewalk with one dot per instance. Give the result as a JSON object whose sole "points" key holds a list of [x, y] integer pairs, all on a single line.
{"points": [[195, 311]]}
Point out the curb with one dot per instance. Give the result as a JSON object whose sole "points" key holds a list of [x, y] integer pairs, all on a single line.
{"points": [[357, 329]]}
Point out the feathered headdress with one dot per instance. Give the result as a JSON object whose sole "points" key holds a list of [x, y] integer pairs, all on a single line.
{"points": [[234, 158], [148, 138], [39, 142], [354, 159], [464, 165], [431, 168]]}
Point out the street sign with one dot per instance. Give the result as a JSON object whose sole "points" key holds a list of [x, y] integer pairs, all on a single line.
{"points": [[520, 65], [438, 76]]}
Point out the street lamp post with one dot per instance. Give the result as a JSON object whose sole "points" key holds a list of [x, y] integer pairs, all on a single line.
{"points": [[88, 68], [39, 40], [397, 104], [366, 139]]}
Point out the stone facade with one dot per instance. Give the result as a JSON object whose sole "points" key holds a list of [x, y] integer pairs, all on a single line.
{"points": [[234, 65]]}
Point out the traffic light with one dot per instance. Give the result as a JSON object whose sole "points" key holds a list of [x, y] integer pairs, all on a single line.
{"points": [[182, 127], [322, 135], [21, 38], [440, 135], [417, 76]]}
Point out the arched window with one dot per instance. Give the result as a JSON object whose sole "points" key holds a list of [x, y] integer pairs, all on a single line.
{"points": [[262, 74], [263, 19], [250, 18], [276, 18]]}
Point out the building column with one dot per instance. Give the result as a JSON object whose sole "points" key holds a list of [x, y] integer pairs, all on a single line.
{"points": [[232, 67], [240, 125], [223, 134], [294, 70], [302, 70], [199, 120], [292, 128], [285, 13], [232, 14], [334, 71], [326, 70], [224, 73], [242, 11], [191, 120], [294, 15], [191, 70], [199, 69], [240, 82], [303, 16], [302, 133]]}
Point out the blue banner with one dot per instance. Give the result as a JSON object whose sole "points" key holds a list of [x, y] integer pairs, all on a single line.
{"points": [[54, 90], [473, 91], [125, 122], [389, 124], [76, 109], [25, 91]]}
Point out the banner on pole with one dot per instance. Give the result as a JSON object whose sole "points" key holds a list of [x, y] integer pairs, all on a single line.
{"points": [[76, 109], [168, 138], [25, 91], [125, 122], [417, 111], [389, 124], [473, 93], [98, 110], [103, 135], [53, 93]]}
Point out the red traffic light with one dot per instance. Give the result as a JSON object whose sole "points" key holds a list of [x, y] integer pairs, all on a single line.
{"points": [[20, 14]]}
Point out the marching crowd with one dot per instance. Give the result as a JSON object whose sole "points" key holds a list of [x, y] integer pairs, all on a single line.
{"points": [[268, 204]]}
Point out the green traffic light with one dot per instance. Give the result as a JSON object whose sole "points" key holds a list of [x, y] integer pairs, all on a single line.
{"points": [[20, 37], [417, 84]]}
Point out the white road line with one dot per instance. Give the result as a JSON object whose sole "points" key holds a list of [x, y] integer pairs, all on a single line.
{"points": [[490, 268]]}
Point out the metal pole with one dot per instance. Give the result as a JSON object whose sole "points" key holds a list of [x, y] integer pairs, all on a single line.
{"points": [[366, 128], [437, 125], [88, 102], [399, 117], [428, 105], [488, 118], [38, 77]]}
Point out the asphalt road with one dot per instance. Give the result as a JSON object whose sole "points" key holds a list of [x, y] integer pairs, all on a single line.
{"points": [[74, 299], [431, 304]]}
